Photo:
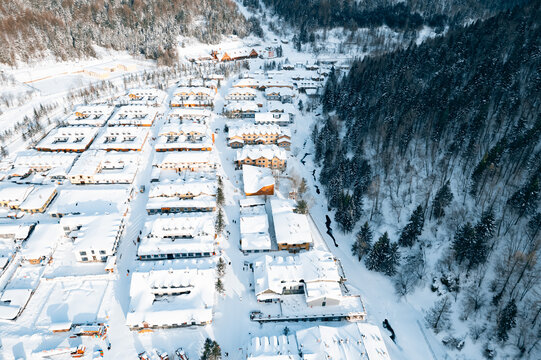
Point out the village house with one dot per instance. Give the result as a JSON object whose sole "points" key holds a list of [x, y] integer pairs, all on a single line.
{"points": [[190, 115], [38, 200], [91, 200], [283, 94], [254, 226], [91, 115], [243, 110], [68, 139], [104, 71], [270, 156], [185, 161], [234, 54], [359, 340], [40, 245], [292, 230], [90, 245], [281, 119], [250, 134], [134, 115], [280, 347], [178, 237], [257, 180], [12, 195], [199, 96], [277, 275], [169, 298], [175, 136], [241, 94], [28, 161], [144, 97], [122, 138], [174, 205], [101, 167]]}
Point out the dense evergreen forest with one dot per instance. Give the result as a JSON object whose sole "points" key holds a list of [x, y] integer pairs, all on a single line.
{"points": [[443, 140], [400, 15], [65, 29]]}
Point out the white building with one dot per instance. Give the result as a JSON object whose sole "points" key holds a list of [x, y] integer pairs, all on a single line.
{"points": [[134, 115], [254, 227], [122, 138], [94, 237], [177, 237], [171, 298], [361, 341], [281, 119], [102, 167], [292, 230], [298, 274], [185, 161], [37, 161], [68, 139], [92, 115]]}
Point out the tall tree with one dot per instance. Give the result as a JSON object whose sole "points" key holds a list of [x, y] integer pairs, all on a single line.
{"points": [[363, 242], [384, 256], [506, 320], [413, 229], [443, 198]]}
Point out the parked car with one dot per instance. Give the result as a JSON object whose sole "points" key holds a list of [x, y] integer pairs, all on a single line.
{"points": [[181, 354], [161, 355], [144, 356]]}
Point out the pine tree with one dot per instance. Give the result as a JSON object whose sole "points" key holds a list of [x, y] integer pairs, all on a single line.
{"points": [[363, 241], [443, 198], [220, 223], [219, 286], [211, 350], [220, 196], [506, 321], [471, 244], [303, 187], [301, 208], [413, 229], [220, 267], [384, 256]]}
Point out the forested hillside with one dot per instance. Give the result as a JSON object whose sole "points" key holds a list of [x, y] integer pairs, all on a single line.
{"points": [[65, 29], [442, 143], [407, 14]]}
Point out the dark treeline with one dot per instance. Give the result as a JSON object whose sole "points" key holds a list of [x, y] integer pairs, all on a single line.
{"points": [[450, 129], [30, 29], [407, 15]]}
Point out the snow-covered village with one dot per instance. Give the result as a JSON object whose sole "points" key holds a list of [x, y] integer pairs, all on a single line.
{"points": [[242, 197]]}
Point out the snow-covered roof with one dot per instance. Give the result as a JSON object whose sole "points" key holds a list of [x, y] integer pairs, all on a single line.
{"points": [[13, 194], [235, 92], [273, 273], [289, 227], [171, 297], [38, 197], [138, 115], [183, 128], [91, 199], [254, 229], [242, 106], [184, 91], [256, 178], [272, 117], [190, 113], [361, 341], [42, 241], [202, 202], [95, 232], [103, 166], [14, 231], [175, 234], [280, 91], [279, 347], [68, 138], [44, 160], [93, 115], [248, 128], [261, 151], [183, 187], [183, 158], [123, 138]]}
